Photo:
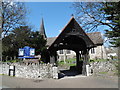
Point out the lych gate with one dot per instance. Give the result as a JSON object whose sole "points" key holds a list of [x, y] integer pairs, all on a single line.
{"points": [[73, 38]]}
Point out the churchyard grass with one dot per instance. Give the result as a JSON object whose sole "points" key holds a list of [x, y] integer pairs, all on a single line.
{"points": [[69, 62]]}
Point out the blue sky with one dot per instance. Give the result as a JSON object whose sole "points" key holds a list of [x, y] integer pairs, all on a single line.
{"points": [[55, 14]]}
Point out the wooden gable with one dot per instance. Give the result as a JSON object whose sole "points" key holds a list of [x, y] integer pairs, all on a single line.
{"points": [[73, 29]]}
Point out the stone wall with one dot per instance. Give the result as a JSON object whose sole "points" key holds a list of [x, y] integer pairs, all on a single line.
{"points": [[34, 71], [100, 68], [39, 71]]}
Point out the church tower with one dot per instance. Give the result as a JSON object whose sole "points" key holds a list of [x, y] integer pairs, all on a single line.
{"points": [[42, 30]]}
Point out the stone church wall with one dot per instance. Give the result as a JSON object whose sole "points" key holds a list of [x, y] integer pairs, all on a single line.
{"points": [[100, 53]]}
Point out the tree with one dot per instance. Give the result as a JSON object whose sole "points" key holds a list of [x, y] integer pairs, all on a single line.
{"points": [[112, 12], [91, 15], [13, 15], [37, 41], [20, 37]]}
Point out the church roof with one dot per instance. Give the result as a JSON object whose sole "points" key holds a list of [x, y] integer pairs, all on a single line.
{"points": [[50, 40], [94, 36]]}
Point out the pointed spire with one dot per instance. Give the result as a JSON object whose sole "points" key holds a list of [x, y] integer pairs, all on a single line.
{"points": [[42, 29]]}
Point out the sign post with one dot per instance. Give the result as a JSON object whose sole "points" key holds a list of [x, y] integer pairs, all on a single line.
{"points": [[11, 69]]}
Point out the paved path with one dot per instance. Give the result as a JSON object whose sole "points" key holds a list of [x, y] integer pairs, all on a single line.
{"points": [[66, 82]]}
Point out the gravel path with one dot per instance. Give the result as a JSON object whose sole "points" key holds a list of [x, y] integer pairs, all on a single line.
{"points": [[66, 82]]}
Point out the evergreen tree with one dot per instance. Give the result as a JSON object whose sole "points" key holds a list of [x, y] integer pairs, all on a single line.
{"points": [[37, 41], [91, 15], [112, 11], [20, 37]]}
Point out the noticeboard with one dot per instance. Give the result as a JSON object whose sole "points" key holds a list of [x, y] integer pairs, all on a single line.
{"points": [[21, 52], [32, 52], [26, 51]]}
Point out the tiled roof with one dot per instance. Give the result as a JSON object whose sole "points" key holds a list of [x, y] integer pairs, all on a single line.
{"points": [[50, 40], [95, 37]]}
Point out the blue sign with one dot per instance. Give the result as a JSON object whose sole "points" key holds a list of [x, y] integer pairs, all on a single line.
{"points": [[26, 52]]}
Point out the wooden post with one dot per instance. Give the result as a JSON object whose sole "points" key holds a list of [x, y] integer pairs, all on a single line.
{"points": [[85, 62], [77, 59], [64, 56]]}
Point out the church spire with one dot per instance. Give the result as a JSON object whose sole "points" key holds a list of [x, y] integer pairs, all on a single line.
{"points": [[42, 29]]}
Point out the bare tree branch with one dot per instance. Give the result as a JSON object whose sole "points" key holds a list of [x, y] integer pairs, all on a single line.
{"points": [[90, 16], [13, 15]]}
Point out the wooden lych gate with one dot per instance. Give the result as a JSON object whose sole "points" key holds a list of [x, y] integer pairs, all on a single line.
{"points": [[73, 38]]}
